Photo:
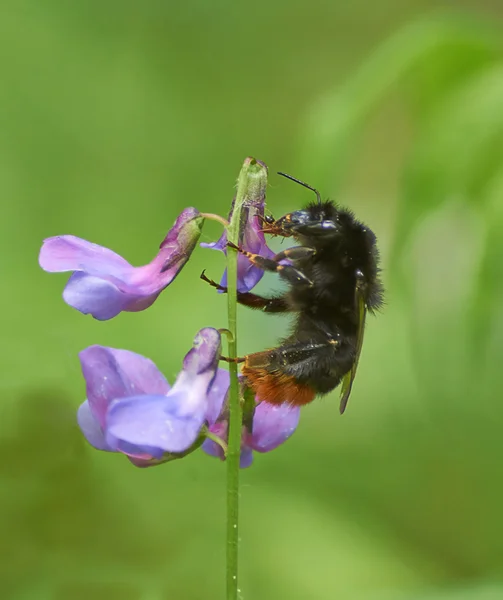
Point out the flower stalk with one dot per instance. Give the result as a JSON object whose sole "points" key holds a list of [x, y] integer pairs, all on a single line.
{"points": [[252, 182]]}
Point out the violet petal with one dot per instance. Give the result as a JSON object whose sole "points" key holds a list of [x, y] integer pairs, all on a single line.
{"points": [[145, 453], [104, 284], [111, 374], [95, 296], [91, 428], [205, 354], [71, 253], [212, 449], [216, 395], [246, 457], [273, 425], [154, 421]]}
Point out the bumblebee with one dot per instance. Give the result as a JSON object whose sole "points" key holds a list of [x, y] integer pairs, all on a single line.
{"points": [[333, 279]]}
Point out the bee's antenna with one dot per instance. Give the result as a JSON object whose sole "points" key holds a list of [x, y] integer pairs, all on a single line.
{"points": [[302, 183]]}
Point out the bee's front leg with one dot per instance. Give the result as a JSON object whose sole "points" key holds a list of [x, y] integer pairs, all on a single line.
{"points": [[278, 304], [286, 272]]}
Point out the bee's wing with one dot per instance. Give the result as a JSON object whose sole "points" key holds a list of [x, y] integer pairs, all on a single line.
{"points": [[347, 380]]}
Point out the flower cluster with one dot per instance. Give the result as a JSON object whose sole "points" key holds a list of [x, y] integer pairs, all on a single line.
{"points": [[130, 407]]}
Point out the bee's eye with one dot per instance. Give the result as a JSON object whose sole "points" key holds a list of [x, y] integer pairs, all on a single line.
{"points": [[328, 225], [269, 219]]}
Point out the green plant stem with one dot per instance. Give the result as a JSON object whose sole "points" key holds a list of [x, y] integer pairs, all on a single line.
{"points": [[251, 184], [234, 442]]}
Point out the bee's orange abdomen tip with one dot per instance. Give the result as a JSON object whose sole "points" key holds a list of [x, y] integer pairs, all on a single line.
{"points": [[277, 388]]}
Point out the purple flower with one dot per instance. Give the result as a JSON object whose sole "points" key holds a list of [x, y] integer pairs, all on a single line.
{"points": [[272, 426], [130, 407], [251, 239], [103, 283]]}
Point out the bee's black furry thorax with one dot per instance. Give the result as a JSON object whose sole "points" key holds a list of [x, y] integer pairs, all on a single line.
{"points": [[348, 248]]}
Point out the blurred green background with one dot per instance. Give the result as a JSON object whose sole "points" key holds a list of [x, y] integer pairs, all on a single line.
{"points": [[116, 115]]}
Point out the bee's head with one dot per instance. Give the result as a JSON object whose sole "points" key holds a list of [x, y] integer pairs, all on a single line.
{"points": [[317, 221]]}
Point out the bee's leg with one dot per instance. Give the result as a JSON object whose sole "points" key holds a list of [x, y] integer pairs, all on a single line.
{"points": [[213, 283], [286, 272], [295, 253], [232, 360], [272, 305], [269, 226]]}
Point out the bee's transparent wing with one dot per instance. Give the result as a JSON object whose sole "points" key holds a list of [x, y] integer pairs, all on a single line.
{"points": [[347, 380]]}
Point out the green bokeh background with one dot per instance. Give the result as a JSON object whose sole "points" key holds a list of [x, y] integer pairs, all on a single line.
{"points": [[116, 115]]}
